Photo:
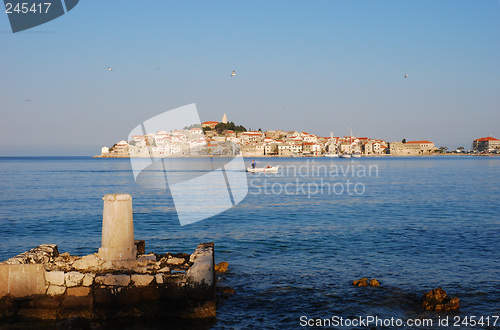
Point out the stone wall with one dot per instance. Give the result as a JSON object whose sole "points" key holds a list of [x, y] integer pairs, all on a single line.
{"points": [[41, 283]]}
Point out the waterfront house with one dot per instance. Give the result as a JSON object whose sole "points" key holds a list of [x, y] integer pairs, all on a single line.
{"points": [[120, 149], [271, 149], [285, 149], [346, 147], [307, 148], [253, 150], [367, 148], [296, 148], [412, 148], [487, 144], [420, 147], [331, 147], [373, 147]]}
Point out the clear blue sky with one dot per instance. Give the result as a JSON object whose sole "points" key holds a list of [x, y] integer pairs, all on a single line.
{"points": [[333, 65]]}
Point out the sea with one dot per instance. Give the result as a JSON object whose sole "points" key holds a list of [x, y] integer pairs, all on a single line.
{"points": [[298, 239]]}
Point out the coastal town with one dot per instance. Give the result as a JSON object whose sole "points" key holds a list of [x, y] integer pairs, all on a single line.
{"points": [[224, 138]]}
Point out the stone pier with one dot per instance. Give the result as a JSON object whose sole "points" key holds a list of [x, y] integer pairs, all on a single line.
{"points": [[115, 282]]}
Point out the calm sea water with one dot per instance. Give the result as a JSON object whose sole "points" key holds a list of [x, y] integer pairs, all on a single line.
{"points": [[293, 249]]}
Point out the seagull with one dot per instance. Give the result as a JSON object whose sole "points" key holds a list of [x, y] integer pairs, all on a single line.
{"points": [[406, 76], [233, 74], [157, 69], [109, 69], [28, 100]]}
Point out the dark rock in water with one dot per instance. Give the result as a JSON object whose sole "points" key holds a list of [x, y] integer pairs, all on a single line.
{"points": [[225, 290], [364, 282], [437, 300], [222, 267], [361, 282], [74, 323], [141, 246]]}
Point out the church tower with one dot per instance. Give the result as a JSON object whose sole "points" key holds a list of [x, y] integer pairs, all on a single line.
{"points": [[224, 119]]}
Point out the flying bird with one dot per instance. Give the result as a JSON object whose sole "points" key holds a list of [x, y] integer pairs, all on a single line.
{"points": [[157, 69], [28, 100], [406, 76], [109, 69], [233, 74]]}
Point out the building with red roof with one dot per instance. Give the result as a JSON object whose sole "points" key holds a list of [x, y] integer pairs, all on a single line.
{"points": [[425, 142], [210, 124], [412, 148], [488, 143]]}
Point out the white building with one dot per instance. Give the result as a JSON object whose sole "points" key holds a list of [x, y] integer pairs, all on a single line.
{"points": [[179, 149], [285, 149], [196, 131]]}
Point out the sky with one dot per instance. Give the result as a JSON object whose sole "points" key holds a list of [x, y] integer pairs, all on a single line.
{"points": [[314, 66]]}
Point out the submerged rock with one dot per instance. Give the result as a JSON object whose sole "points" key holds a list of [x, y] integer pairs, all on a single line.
{"points": [[225, 290], [361, 282], [222, 267], [438, 300], [365, 282]]}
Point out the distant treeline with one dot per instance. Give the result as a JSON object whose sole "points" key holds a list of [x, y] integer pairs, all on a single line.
{"points": [[223, 127]]}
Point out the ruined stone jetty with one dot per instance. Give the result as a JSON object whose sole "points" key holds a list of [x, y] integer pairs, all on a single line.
{"points": [[118, 281]]}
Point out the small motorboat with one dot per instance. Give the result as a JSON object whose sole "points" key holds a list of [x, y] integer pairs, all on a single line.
{"points": [[356, 155], [268, 168], [346, 155]]}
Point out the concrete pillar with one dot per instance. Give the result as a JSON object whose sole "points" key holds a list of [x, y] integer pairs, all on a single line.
{"points": [[117, 228]]}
